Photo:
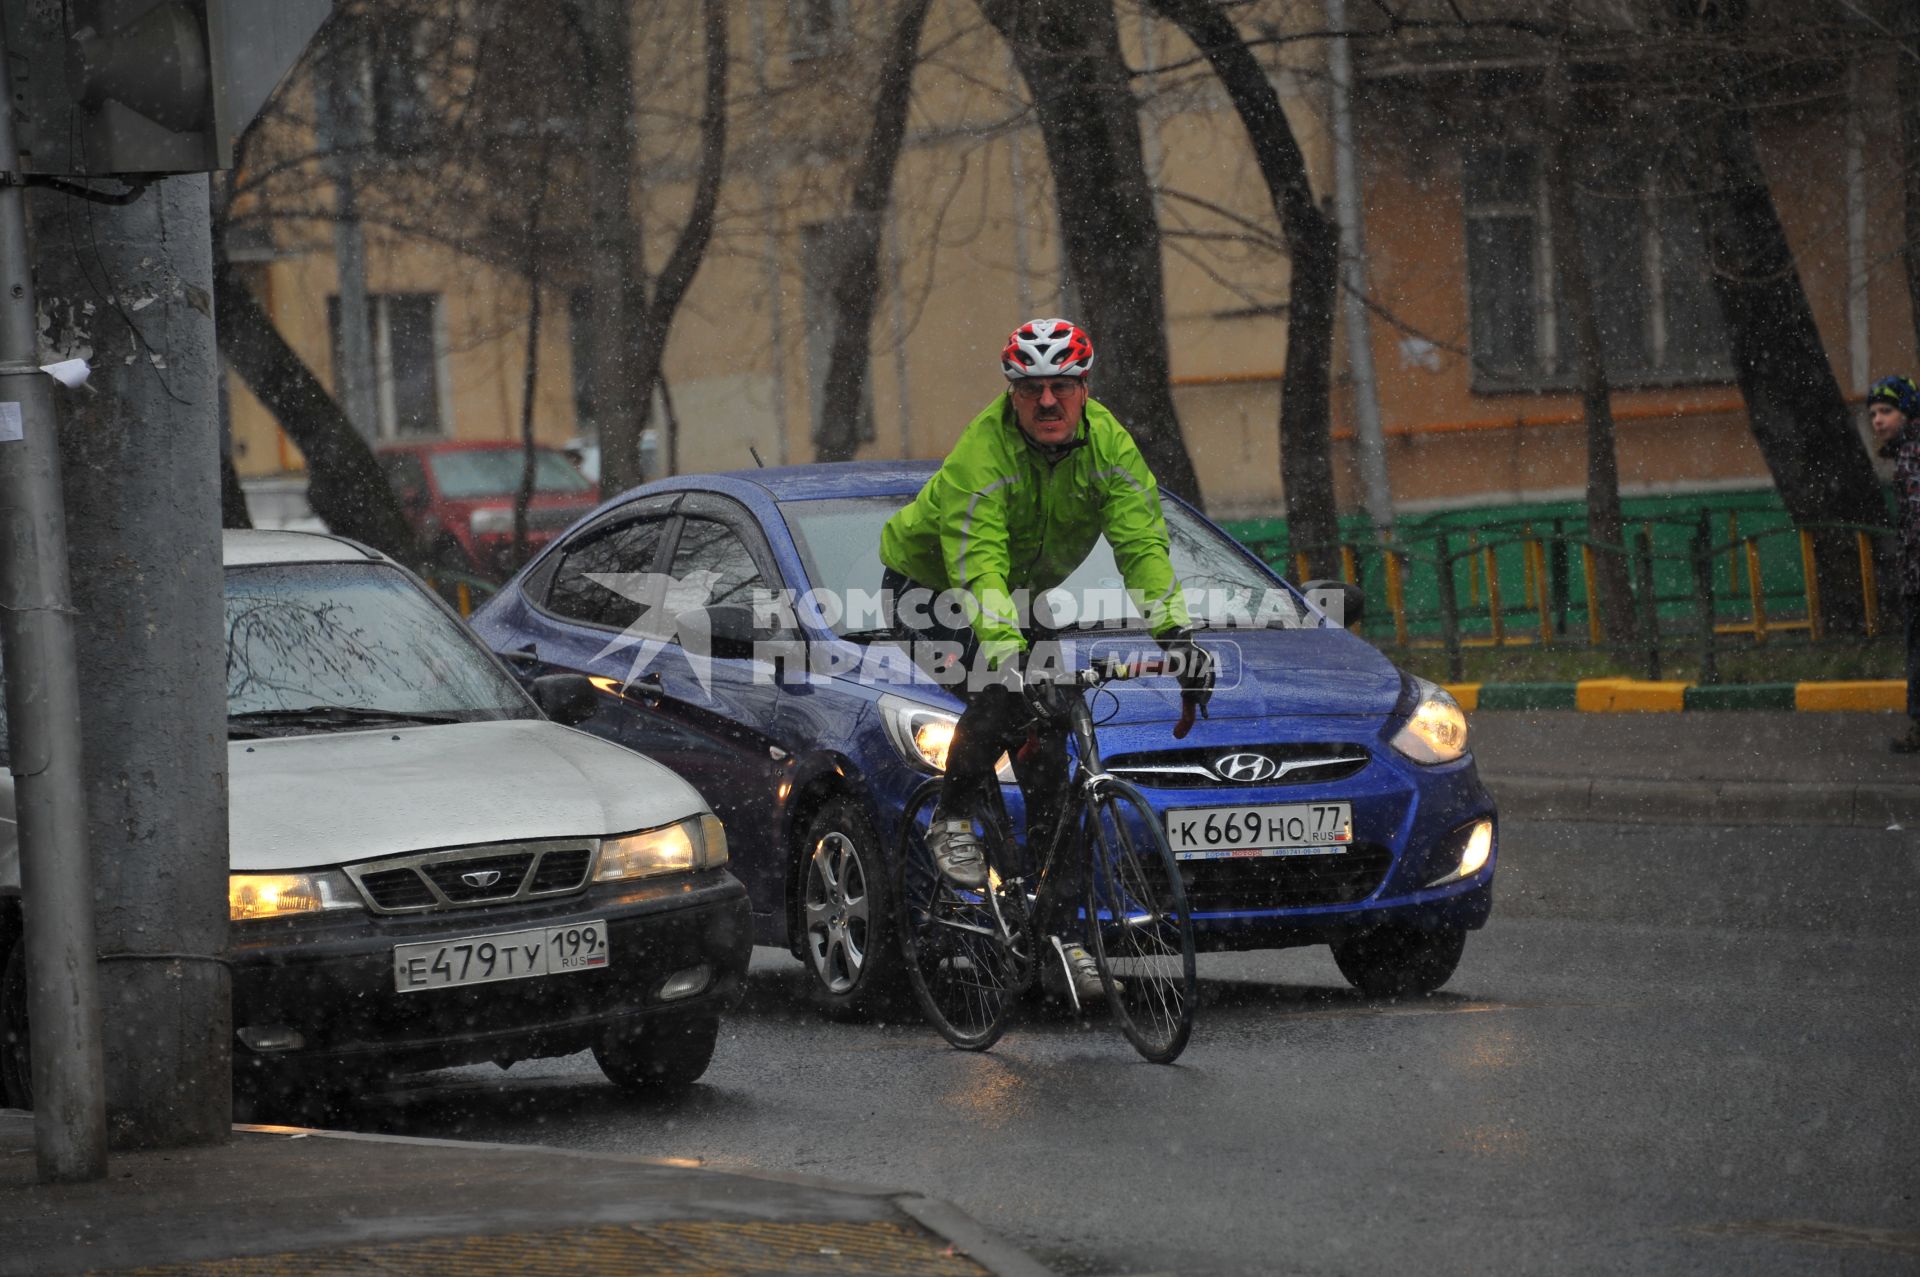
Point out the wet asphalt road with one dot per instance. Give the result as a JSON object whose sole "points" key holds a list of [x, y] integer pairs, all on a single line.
{"points": [[1671, 1049]]}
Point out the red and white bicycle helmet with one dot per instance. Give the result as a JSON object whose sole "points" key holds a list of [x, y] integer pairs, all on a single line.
{"points": [[1047, 348]]}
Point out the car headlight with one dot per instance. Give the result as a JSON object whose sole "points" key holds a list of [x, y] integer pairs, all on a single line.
{"points": [[699, 843], [923, 735], [1436, 730], [1475, 849], [491, 521], [254, 896]]}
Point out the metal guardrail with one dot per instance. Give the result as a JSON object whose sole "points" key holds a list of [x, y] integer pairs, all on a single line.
{"points": [[1708, 581]]}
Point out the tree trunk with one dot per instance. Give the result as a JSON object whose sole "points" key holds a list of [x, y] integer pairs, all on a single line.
{"points": [[613, 259], [1604, 522], [652, 322], [1794, 404], [856, 287], [530, 382], [1907, 81], [1068, 51], [345, 485], [1313, 242]]}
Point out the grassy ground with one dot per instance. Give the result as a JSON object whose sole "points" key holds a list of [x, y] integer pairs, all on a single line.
{"points": [[1781, 660]]}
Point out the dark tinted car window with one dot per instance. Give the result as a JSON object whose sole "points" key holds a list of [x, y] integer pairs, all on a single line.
{"points": [[706, 546], [4, 755], [626, 547]]}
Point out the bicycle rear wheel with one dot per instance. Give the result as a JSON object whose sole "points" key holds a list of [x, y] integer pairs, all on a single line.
{"points": [[1137, 922], [969, 954]]}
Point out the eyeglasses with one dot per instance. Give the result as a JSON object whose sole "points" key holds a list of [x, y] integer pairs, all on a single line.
{"points": [[1032, 387]]}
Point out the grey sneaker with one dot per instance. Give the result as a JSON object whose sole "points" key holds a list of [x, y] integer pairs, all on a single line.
{"points": [[957, 851], [1087, 988]]}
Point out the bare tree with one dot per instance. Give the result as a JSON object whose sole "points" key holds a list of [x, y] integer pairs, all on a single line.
{"points": [[1068, 52], [654, 321], [856, 285], [1604, 521], [1799, 416], [1313, 245]]}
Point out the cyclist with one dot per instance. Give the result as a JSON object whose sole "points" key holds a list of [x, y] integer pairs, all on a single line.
{"points": [[1032, 484]]}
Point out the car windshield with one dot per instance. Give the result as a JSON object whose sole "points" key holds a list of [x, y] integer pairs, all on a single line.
{"points": [[839, 541], [495, 472], [346, 644]]}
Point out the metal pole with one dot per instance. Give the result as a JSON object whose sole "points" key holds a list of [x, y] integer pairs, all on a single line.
{"points": [[1370, 443], [141, 462], [43, 699]]}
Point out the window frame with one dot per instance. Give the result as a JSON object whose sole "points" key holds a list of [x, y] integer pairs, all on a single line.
{"points": [[386, 404], [1544, 373], [538, 588]]}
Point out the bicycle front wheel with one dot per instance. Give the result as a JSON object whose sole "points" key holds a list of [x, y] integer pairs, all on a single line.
{"points": [[1138, 924], [968, 953]]}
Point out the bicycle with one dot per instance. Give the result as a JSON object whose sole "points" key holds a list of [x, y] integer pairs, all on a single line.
{"points": [[971, 954]]}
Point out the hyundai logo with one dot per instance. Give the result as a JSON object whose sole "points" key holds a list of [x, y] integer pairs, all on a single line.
{"points": [[1247, 769], [480, 877]]}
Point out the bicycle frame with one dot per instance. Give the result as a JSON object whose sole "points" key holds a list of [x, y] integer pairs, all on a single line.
{"points": [[1077, 793]]}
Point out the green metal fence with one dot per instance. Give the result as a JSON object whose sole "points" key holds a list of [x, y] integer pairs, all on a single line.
{"points": [[1707, 573]]}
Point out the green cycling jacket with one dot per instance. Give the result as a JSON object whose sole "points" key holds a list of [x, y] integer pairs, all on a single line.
{"points": [[999, 516]]}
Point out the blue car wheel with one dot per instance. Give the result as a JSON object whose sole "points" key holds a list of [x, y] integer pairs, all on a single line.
{"points": [[845, 920]]}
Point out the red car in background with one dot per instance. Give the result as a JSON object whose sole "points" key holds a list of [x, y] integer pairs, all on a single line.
{"points": [[459, 497]]}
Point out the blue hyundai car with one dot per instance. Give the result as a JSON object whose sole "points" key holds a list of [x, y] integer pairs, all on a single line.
{"points": [[731, 623]]}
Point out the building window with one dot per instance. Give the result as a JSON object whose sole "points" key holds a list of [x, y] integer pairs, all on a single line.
{"points": [[1659, 321], [822, 246], [819, 26], [408, 349]]}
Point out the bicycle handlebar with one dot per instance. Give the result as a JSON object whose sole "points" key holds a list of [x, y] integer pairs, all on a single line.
{"points": [[1116, 670]]}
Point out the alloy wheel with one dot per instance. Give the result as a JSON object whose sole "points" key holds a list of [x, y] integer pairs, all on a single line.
{"points": [[837, 909]]}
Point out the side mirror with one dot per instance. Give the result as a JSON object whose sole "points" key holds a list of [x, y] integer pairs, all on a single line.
{"points": [[1346, 604], [567, 699]]}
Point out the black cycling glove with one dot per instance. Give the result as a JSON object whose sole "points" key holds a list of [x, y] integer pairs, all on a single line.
{"points": [[1194, 668]]}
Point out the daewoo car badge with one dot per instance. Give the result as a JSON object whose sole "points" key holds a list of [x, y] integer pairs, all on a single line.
{"points": [[480, 877], [1247, 769]]}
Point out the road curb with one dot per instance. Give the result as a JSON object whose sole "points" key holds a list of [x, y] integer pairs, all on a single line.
{"points": [[969, 1237], [1619, 800], [1631, 695], [964, 1234]]}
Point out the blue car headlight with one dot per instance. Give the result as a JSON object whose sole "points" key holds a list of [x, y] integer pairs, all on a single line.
{"points": [[923, 734], [1436, 729]]}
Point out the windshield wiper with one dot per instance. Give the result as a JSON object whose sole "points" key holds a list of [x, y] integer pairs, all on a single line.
{"points": [[328, 716]]}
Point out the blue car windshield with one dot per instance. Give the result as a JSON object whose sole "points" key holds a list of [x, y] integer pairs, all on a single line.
{"points": [[839, 540], [354, 636]]}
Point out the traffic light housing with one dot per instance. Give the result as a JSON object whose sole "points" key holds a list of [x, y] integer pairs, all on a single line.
{"points": [[119, 87]]}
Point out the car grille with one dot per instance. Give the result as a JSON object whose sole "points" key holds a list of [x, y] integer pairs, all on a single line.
{"points": [[1292, 764], [1285, 882], [473, 876]]}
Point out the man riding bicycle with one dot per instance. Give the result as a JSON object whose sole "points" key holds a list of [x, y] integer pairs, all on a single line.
{"points": [[1033, 483]]}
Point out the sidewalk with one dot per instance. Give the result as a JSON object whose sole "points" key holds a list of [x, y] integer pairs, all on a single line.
{"points": [[281, 1200], [1750, 767]]}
